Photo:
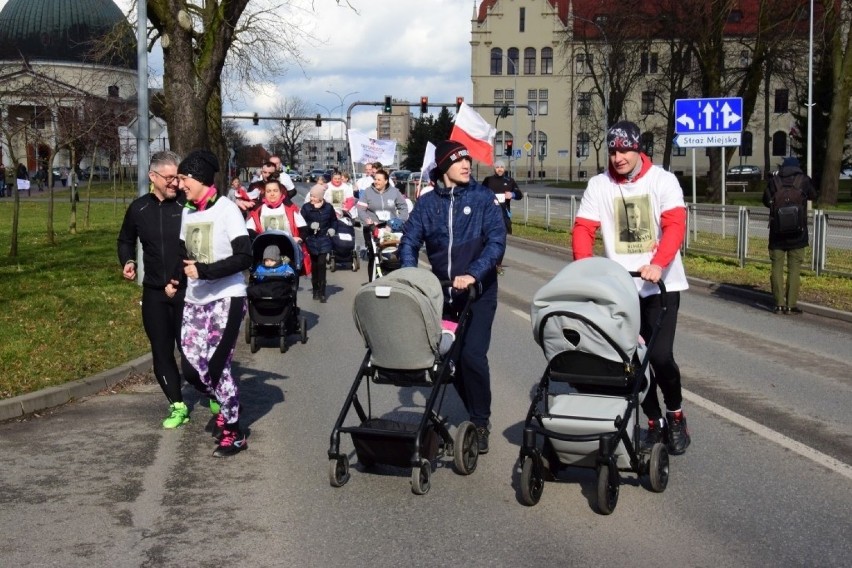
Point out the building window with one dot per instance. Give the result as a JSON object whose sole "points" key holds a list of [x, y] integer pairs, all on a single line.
{"points": [[681, 63], [745, 58], [540, 144], [522, 20], [583, 145], [735, 16], [782, 100], [529, 61], [547, 61], [746, 145], [504, 98], [537, 100], [583, 64], [112, 91], [646, 143], [779, 144], [542, 101], [584, 104], [496, 61], [648, 64], [512, 55], [678, 151], [648, 102]]}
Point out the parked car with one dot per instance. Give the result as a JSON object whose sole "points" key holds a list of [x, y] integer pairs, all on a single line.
{"points": [[846, 173], [745, 172], [316, 174], [294, 175], [97, 172], [399, 177]]}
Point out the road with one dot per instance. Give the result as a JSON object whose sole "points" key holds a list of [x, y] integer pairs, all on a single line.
{"points": [[766, 482]]}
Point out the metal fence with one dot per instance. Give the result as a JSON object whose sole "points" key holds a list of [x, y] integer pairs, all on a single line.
{"points": [[723, 230]]}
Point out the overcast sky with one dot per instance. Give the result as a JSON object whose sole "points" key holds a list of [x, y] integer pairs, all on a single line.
{"points": [[403, 48]]}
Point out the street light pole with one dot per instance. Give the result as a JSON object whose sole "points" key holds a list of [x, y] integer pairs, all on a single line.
{"points": [[341, 99], [810, 88]]}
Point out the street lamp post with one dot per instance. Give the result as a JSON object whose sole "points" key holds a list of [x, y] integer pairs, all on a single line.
{"points": [[810, 87], [340, 106]]}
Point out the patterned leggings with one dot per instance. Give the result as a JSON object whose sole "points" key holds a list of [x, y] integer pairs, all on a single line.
{"points": [[208, 337]]}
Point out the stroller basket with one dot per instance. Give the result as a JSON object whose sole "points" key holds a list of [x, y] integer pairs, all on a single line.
{"points": [[390, 442], [417, 378]]}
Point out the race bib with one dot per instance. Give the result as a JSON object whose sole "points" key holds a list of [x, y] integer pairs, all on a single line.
{"points": [[501, 197]]}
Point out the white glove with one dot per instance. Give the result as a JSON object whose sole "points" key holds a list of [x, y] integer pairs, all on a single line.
{"points": [[315, 226], [331, 232]]}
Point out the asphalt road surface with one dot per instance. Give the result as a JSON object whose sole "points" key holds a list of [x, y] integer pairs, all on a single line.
{"points": [[766, 482]]}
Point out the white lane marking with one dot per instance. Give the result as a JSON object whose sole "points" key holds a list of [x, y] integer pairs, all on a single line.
{"points": [[759, 429]]}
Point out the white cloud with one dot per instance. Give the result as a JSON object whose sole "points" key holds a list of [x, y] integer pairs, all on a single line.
{"points": [[403, 48]]}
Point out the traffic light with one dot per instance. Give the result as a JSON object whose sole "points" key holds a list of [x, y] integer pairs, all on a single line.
{"points": [[509, 144], [255, 120], [459, 101], [504, 111], [388, 104], [319, 120], [287, 120], [424, 105]]}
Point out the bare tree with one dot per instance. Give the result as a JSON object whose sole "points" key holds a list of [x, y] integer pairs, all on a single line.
{"points": [[286, 138]]}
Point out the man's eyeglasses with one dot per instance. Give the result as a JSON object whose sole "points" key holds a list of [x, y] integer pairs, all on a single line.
{"points": [[168, 179]]}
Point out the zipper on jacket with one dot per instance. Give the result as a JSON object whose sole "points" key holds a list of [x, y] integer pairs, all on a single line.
{"points": [[450, 246], [162, 245]]}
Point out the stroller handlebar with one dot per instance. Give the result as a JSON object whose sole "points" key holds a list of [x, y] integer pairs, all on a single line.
{"points": [[659, 283], [473, 290]]}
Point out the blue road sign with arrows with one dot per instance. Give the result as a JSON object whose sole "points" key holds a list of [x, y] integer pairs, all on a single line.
{"points": [[709, 116]]}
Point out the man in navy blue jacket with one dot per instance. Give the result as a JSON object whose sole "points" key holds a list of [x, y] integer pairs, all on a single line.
{"points": [[462, 226]]}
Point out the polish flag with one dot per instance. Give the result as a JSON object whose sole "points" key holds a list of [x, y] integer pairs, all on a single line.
{"points": [[475, 133]]}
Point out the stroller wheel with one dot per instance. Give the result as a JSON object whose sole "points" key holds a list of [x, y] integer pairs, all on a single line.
{"points": [[332, 263], [338, 471], [532, 480], [253, 344], [420, 475], [282, 344], [466, 449], [356, 262], [607, 490], [658, 468], [303, 329]]}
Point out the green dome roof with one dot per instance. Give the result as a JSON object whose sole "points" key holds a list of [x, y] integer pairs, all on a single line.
{"points": [[63, 30]]}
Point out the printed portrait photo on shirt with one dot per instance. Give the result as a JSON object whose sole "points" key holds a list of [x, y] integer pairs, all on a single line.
{"points": [[198, 244], [634, 232]]}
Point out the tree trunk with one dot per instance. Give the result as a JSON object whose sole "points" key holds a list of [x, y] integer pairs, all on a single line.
{"points": [[841, 55]]}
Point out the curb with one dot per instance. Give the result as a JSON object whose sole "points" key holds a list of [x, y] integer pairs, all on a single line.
{"points": [[55, 396]]}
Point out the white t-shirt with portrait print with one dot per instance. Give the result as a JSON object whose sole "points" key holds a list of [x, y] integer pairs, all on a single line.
{"points": [[208, 235], [271, 218], [625, 242]]}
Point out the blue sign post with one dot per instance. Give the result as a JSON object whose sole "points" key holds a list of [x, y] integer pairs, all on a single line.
{"points": [[708, 122]]}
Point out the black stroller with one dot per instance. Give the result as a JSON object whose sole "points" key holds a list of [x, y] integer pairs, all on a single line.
{"points": [[383, 243], [343, 254], [272, 306], [404, 350], [586, 320]]}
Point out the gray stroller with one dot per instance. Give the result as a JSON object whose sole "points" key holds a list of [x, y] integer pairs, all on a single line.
{"points": [[399, 317], [586, 406]]}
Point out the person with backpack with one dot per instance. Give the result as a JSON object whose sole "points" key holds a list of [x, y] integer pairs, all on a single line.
{"points": [[786, 194]]}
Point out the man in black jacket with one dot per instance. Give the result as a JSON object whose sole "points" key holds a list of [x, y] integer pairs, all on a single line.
{"points": [[155, 220], [505, 189], [787, 245]]}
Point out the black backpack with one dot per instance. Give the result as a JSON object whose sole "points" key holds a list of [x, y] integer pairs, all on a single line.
{"points": [[789, 204]]}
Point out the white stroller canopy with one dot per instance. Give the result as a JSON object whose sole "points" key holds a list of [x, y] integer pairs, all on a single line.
{"points": [[598, 289]]}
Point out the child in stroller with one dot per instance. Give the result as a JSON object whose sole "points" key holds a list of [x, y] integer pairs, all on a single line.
{"points": [[272, 289], [343, 254], [383, 245], [586, 320], [404, 351]]}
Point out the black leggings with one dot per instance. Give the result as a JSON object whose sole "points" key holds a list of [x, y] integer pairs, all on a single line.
{"points": [[664, 370], [161, 317], [318, 270]]}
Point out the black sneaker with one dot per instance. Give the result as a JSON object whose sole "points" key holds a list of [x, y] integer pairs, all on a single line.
{"points": [[233, 442], [779, 310], [482, 439], [678, 434], [795, 311], [655, 434]]}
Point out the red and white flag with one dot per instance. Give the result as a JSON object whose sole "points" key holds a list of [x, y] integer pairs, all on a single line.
{"points": [[475, 133]]}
